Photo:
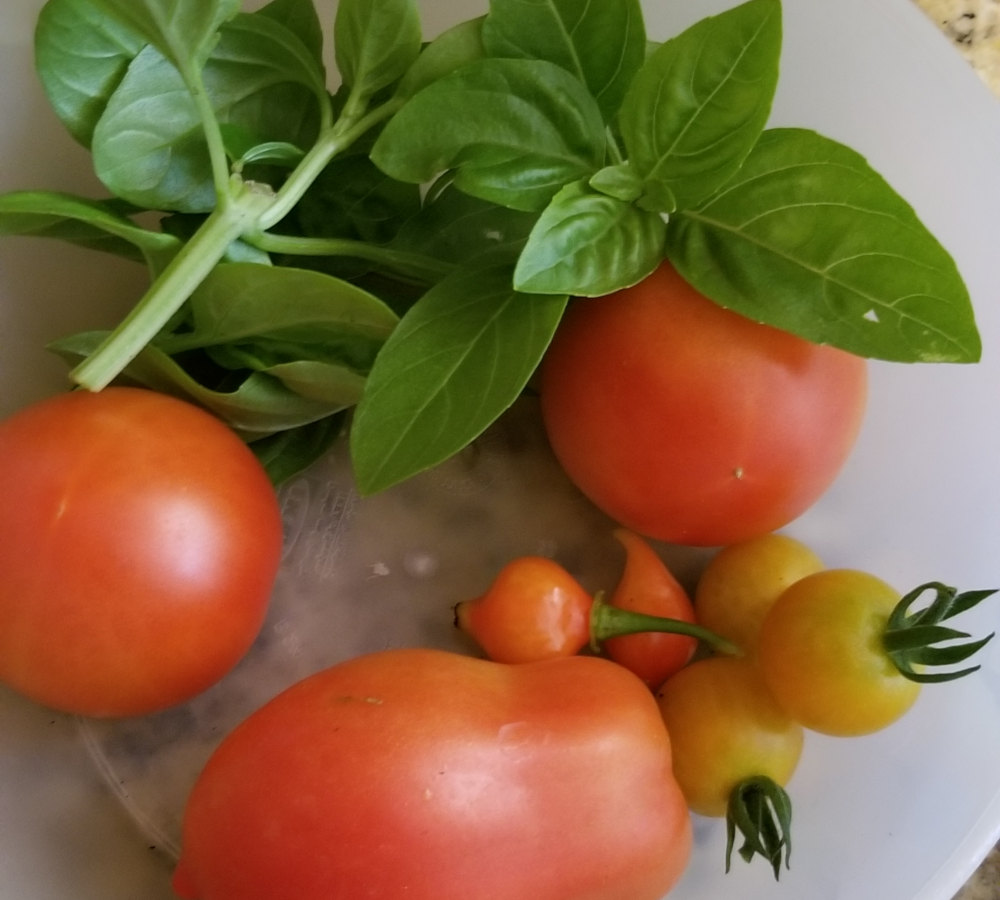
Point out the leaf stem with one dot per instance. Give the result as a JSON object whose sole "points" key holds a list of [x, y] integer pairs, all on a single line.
{"points": [[213, 133], [240, 211], [171, 289], [411, 265], [344, 132]]}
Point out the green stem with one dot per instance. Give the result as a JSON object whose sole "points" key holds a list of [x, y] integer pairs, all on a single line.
{"points": [[218, 157], [341, 136], [412, 265], [240, 212], [170, 290], [607, 621], [615, 154], [761, 811]]}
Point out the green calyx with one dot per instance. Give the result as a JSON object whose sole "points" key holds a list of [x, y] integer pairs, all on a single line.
{"points": [[916, 640], [761, 811], [607, 621]]}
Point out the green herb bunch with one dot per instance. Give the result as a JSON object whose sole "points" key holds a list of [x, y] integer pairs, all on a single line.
{"points": [[405, 246]]}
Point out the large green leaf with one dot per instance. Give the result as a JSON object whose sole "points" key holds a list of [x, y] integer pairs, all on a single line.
{"points": [[243, 302], [376, 41], [514, 130], [809, 238], [301, 19], [603, 44], [81, 56], [458, 359], [700, 102], [87, 223], [184, 31], [149, 146], [454, 47]]}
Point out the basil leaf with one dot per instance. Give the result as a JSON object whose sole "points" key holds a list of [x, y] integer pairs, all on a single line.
{"points": [[268, 54], [331, 382], [184, 31], [376, 41], [603, 44], [149, 145], [588, 244], [259, 406], [458, 359], [352, 198], [81, 56], [301, 19], [514, 130], [458, 45], [338, 387], [458, 228], [242, 301], [289, 452], [809, 238], [86, 223], [697, 106]]}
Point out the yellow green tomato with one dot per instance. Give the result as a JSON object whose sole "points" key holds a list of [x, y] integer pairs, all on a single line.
{"points": [[742, 581], [821, 650], [725, 728]]}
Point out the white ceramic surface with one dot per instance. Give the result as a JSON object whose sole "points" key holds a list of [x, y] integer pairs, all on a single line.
{"points": [[903, 815]]}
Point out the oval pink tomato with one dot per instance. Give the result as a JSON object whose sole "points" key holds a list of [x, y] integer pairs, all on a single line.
{"points": [[437, 776]]}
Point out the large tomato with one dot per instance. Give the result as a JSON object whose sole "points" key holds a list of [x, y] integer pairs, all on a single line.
{"points": [[691, 424], [139, 542], [428, 775]]}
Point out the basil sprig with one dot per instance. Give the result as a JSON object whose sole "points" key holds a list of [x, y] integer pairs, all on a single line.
{"points": [[405, 246]]}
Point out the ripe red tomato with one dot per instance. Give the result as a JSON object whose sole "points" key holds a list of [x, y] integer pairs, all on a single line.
{"points": [[691, 424], [139, 542], [439, 776]]}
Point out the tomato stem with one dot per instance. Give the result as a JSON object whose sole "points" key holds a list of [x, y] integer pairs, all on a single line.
{"points": [[913, 639], [607, 621], [761, 810]]}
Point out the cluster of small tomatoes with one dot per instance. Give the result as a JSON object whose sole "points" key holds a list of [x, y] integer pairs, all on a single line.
{"points": [[787, 645]]}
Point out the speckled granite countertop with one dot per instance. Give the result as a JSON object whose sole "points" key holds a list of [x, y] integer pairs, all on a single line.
{"points": [[973, 26]]}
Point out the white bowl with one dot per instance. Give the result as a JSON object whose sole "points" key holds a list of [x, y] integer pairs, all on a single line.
{"points": [[906, 814]]}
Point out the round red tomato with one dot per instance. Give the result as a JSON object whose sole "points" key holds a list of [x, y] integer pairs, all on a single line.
{"points": [[690, 423], [139, 542]]}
